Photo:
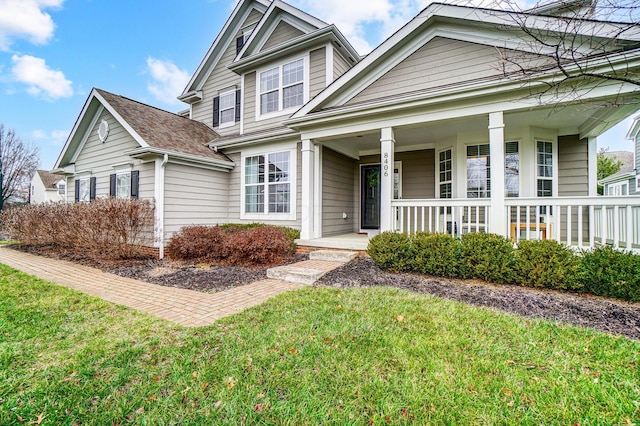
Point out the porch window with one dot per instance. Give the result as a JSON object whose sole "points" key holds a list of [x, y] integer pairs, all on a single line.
{"points": [[511, 170], [544, 159], [478, 171], [282, 87], [267, 183], [445, 173]]}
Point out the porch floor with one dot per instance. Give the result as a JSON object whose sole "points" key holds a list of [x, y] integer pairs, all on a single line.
{"points": [[350, 241]]}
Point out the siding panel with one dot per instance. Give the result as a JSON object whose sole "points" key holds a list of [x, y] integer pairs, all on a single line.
{"points": [[337, 193], [340, 64], [573, 180], [282, 33], [318, 71]]}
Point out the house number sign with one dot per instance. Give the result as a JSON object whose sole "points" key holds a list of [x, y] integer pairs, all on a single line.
{"points": [[385, 164]]}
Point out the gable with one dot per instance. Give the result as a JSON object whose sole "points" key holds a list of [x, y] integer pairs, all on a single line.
{"points": [[440, 62], [282, 33]]}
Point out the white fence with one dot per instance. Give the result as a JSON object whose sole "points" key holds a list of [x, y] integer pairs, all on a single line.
{"points": [[576, 221]]}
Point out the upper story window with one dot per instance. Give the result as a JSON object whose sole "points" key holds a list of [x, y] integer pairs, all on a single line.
{"points": [[245, 33], [282, 87], [227, 108]]}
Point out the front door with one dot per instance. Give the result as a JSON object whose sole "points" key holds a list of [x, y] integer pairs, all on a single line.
{"points": [[370, 196]]}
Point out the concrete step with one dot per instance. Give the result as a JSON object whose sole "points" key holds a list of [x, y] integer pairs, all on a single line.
{"points": [[295, 274], [333, 255]]}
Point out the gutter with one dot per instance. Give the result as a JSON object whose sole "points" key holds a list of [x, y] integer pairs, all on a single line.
{"points": [[194, 159]]}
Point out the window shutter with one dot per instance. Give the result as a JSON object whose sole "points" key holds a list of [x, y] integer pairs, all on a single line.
{"points": [[92, 189], [112, 185], [238, 98], [216, 111], [135, 183], [239, 44], [77, 190]]}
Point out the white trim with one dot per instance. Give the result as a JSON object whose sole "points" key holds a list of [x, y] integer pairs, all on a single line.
{"points": [[158, 190], [329, 64], [592, 166], [293, 177], [279, 65], [121, 120], [317, 190], [242, 94], [86, 134]]}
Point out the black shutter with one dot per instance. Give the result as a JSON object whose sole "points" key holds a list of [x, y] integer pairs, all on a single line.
{"points": [[239, 44], [112, 185], [77, 190], [238, 97], [135, 184], [216, 111], [92, 189]]}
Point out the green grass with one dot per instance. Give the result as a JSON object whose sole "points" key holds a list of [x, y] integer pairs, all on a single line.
{"points": [[7, 242], [308, 357]]}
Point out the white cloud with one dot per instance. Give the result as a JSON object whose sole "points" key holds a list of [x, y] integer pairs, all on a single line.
{"points": [[55, 137], [168, 81], [26, 19], [40, 79]]}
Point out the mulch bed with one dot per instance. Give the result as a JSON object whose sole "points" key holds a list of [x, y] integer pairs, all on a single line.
{"points": [[600, 313]]}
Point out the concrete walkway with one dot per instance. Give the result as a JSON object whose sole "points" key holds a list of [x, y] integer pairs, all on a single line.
{"points": [[185, 307]]}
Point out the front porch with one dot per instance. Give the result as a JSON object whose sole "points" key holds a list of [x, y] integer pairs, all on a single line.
{"points": [[524, 175]]}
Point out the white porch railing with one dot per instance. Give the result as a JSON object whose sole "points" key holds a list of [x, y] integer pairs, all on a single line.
{"points": [[576, 221]]}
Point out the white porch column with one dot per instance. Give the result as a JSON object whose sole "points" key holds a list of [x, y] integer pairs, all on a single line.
{"points": [[498, 218], [308, 188], [158, 194], [593, 166], [387, 145]]}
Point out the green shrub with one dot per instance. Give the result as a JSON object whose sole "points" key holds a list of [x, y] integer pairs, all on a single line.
{"points": [[436, 254], [547, 263], [392, 251], [487, 256], [613, 273]]}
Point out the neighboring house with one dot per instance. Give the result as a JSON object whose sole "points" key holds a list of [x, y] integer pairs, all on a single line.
{"points": [[47, 187], [622, 183], [634, 135], [288, 125]]}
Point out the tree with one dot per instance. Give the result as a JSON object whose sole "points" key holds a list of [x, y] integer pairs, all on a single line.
{"points": [[606, 167], [566, 46], [18, 164]]}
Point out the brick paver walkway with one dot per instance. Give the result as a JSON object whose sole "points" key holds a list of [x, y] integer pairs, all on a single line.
{"points": [[186, 307]]}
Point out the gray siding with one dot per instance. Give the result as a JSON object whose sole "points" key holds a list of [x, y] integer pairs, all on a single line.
{"points": [[573, 180], [340, 64], [637, 148], [573, 166], [221, 78], [440, 62], [338, 174], [282, 33], [234, 192], [194, 196], [100, 158], [318, 71]]}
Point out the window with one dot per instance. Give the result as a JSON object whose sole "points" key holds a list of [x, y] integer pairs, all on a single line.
{"points": [[62, 188], [445, 173], [123, 185], [478, 171], [243, 37], [544, 163], [268, 187], [282, 87], [84, 190], [511, 170], [617, 189], [227, 108]]}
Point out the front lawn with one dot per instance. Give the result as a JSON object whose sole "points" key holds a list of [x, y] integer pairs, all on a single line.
{"points": [[377, 356]]}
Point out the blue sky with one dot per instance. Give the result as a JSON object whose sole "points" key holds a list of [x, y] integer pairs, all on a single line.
{"points": [[52, 52]]}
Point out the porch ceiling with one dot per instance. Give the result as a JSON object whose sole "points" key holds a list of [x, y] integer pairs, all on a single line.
{"points": [[584, 119]]}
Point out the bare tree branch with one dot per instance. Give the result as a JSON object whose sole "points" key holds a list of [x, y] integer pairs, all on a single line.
{"points": [[18, 164]]}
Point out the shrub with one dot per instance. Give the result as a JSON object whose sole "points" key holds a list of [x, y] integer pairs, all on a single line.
{"points": [[259, 245], [608, 272], [253, 243], [547, 263], [436, 254], [392, 251], [106, 228], [487, 256]]}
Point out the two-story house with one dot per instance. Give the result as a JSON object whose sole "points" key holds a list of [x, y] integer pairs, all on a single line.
{"points": [[431, 131]]}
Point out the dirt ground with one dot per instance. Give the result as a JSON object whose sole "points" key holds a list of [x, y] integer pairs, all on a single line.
{"points": [[608, 315]]}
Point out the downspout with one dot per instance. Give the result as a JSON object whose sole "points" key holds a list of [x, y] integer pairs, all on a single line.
{"points": [[159, 195]]}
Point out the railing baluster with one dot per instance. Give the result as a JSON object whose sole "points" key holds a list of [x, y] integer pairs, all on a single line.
{"points": [[580, 226], [629, 214], [402, 219], [415, 219], [569, 223], [431, 218], [422, 228], [603, 236], [616, 227], [437, 214]]}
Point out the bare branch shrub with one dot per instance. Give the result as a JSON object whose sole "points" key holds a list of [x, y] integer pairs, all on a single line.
{"points": [[106, 228]]}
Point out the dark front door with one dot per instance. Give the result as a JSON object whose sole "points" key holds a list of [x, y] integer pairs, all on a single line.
{"points": [[370, 197]]}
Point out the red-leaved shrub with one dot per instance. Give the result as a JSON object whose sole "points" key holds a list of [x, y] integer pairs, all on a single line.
{"points": [[237, 244]]}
